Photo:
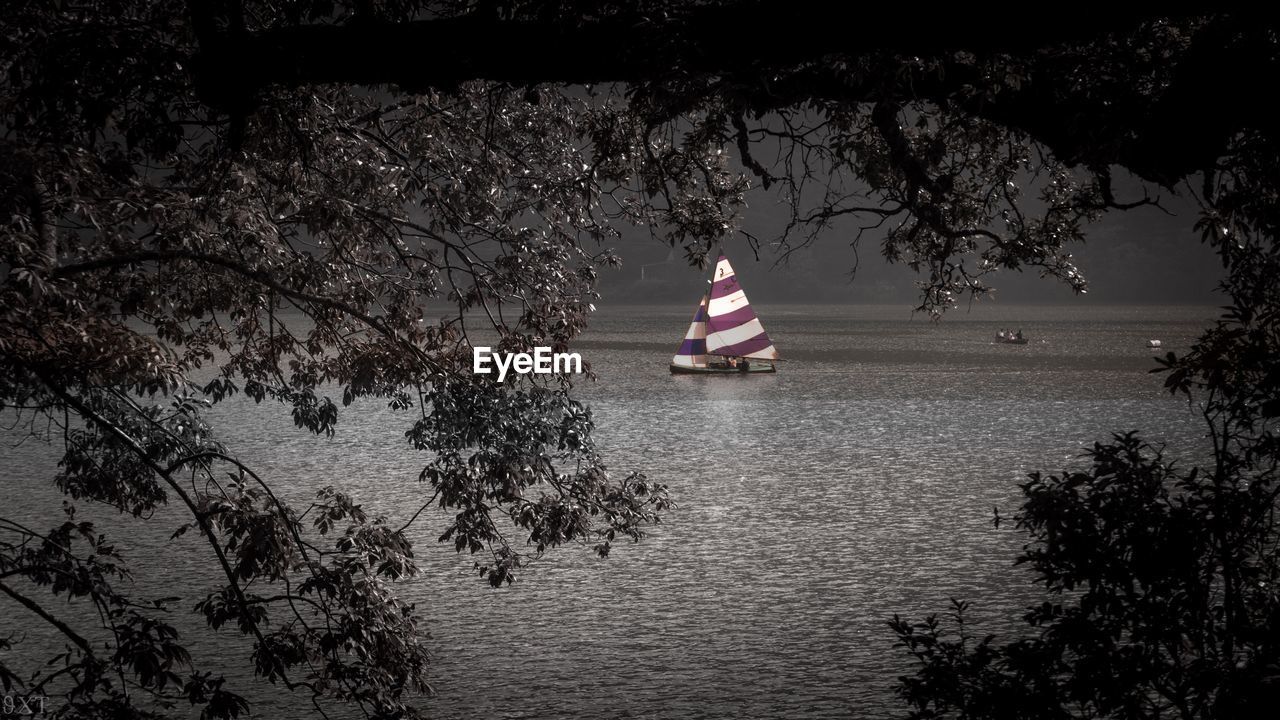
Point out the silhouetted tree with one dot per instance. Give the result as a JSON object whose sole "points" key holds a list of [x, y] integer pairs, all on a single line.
{"points": [[1162, 582]]}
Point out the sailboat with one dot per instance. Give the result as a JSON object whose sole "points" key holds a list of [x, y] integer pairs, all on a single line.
{"points": [[725, 335]]}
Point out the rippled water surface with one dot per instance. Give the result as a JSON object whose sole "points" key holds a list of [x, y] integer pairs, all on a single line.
{"points": [[813, 504]]}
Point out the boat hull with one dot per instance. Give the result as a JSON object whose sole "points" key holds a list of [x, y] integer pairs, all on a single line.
{"points": [[752, 369]]}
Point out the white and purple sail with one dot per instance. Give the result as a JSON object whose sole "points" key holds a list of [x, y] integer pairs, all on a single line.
{"points": [[725, 335], [693, 351]]}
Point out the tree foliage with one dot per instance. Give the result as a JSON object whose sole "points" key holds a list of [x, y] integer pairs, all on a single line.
{"points": [[311, 203], [1161, 581], [338, 245]]}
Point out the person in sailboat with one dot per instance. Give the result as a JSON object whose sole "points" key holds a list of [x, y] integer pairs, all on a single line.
{"points": [[725, 331]]}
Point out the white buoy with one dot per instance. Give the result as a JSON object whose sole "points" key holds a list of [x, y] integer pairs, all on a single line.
{"points": [[1153, 343]]}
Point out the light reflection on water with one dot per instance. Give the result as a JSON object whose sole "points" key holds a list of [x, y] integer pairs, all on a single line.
{"points": [[857, 482]]}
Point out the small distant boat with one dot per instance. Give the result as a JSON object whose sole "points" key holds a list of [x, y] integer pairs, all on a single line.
{"points": [[725, 336], [1153, 343], [1011, 338]]}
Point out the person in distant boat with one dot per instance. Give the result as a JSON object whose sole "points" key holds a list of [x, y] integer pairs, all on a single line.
{"points": [[732, 362], [745, 366], [1018, 336]]}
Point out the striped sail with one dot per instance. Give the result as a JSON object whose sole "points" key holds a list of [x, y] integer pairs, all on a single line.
{"points": [[732, 328], [693, 351]]}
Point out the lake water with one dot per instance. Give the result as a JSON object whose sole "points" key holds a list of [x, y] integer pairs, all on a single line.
{"points": [[856, 483]]}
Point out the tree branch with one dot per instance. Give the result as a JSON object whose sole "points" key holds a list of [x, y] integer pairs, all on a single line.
{"points": [[625, 47], [761, 55], [260, 276], [62, 627]]}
